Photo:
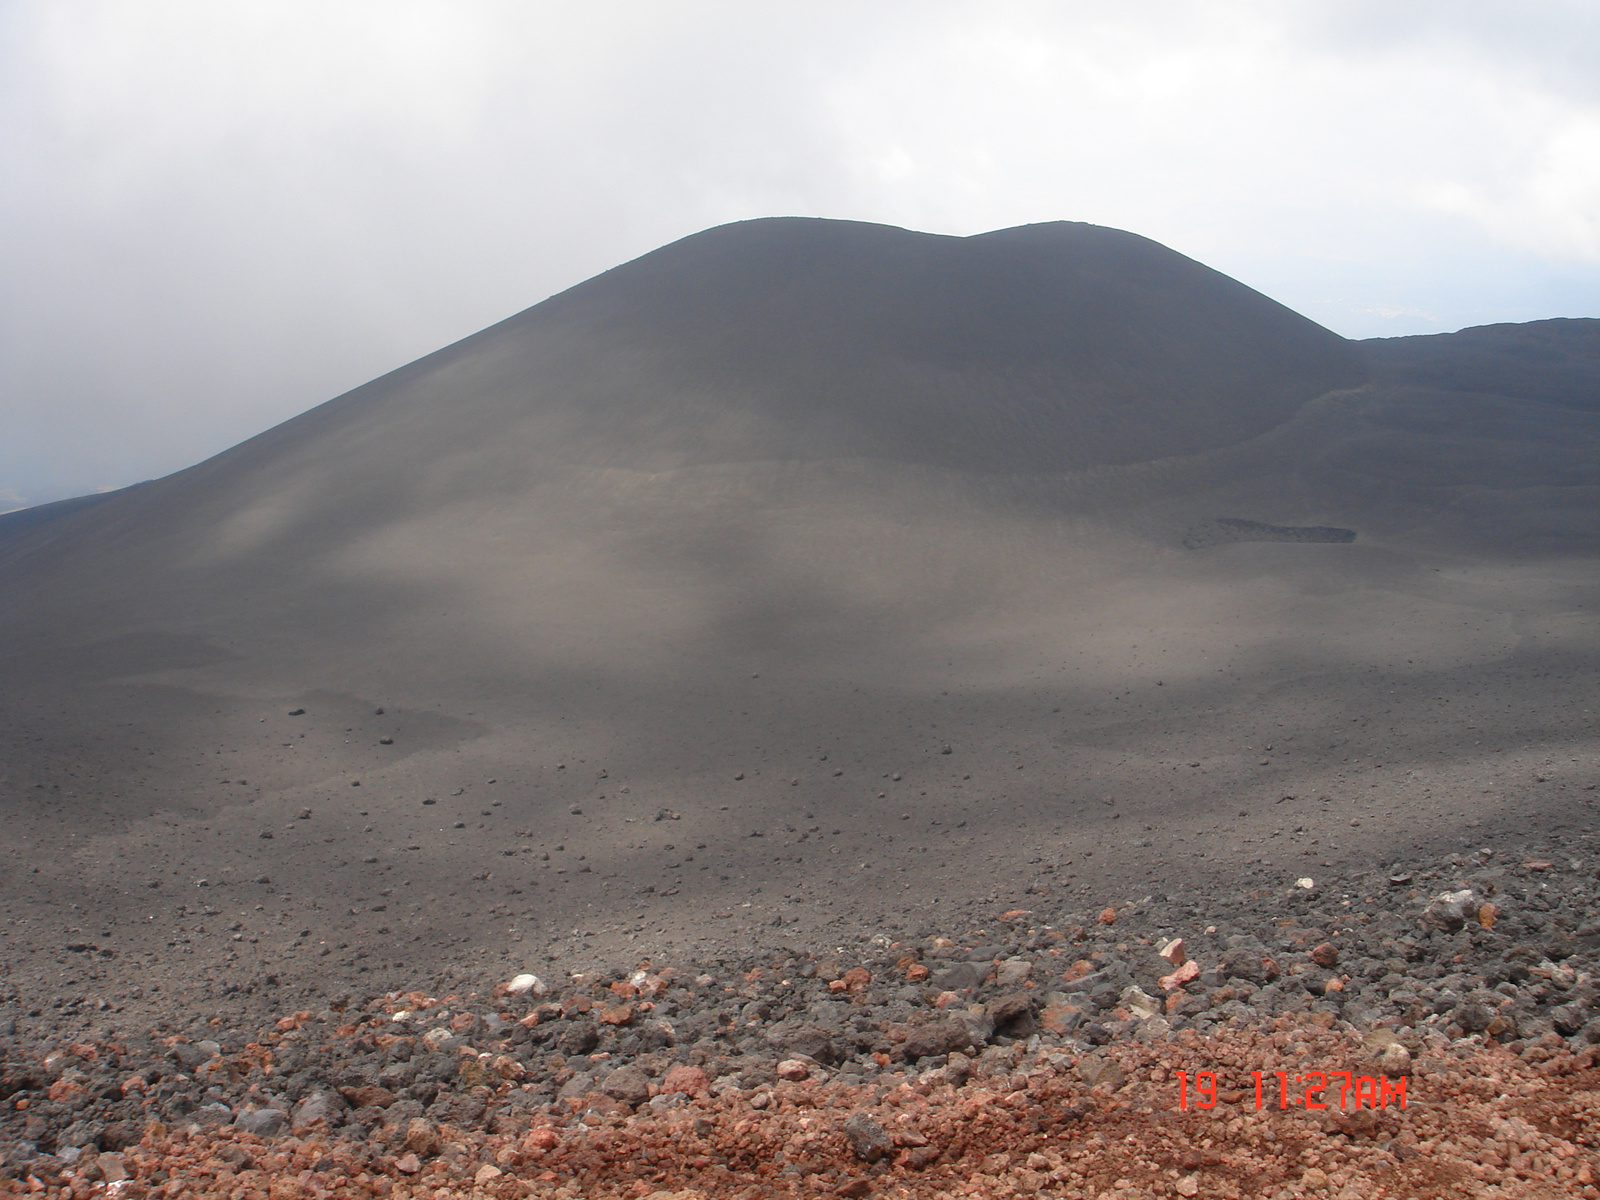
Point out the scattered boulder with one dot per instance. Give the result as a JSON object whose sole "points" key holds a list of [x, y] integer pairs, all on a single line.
{"points": [[263, 1122], [1013, 1015], [963, 977], [422, 1139], [462, 1109], [119, 1135], [1472, 1016], [580, 1037], [1450, 911], [1140, 1005], [1246, 964], [525, 985], [980, 1027], [1096, 1070], [814, 1043], [1186, 973], [868, 1139], [368, 1096], [1061, 1017], [1396, 1060], [628, 1084], [684, 1078], [1012, 972], [188, 1055], [940, 1037], [1568, 1019], [319, 1110]]}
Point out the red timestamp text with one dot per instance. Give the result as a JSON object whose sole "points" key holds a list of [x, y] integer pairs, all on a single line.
{"points": [[1284, 1090]]}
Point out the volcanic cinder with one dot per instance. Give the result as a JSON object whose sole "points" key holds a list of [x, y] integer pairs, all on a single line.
{"points": [[798, 581]]}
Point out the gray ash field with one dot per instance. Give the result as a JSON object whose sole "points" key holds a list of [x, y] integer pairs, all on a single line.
{"points": [[798, 584]]}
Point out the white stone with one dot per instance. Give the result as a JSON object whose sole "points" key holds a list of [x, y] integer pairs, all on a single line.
{"points": [[1139, 1003], [1396, 1060], [524, 985]]}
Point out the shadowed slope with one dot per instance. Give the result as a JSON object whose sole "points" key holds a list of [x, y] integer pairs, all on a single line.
{"points": [[1038, 349], [1552, 362]]}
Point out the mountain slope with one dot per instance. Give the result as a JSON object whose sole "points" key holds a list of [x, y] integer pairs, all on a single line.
{"points": [[666, 597]]}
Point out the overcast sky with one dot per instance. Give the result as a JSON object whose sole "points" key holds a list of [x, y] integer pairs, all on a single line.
{"points": [[216, 215]]}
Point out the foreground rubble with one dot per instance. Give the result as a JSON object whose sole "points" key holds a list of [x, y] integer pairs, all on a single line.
{"points": [[1446, 1018], [1488, 1122]]}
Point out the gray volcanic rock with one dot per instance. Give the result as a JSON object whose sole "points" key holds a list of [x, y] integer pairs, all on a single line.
{"points": [[628, 1084], [941, 1037], [263, 1122], [867, 1138]]}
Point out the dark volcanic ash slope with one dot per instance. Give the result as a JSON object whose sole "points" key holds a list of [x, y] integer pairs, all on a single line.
{"points": [[799, 579], [1553, 362], [1034, 350]]}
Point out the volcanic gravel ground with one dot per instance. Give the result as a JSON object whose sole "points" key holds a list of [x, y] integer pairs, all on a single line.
{"points": [[1494, 1123], [1028, 1056]]}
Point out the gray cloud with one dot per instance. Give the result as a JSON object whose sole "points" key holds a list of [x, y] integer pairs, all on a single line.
{"points": [[219, 215]]}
